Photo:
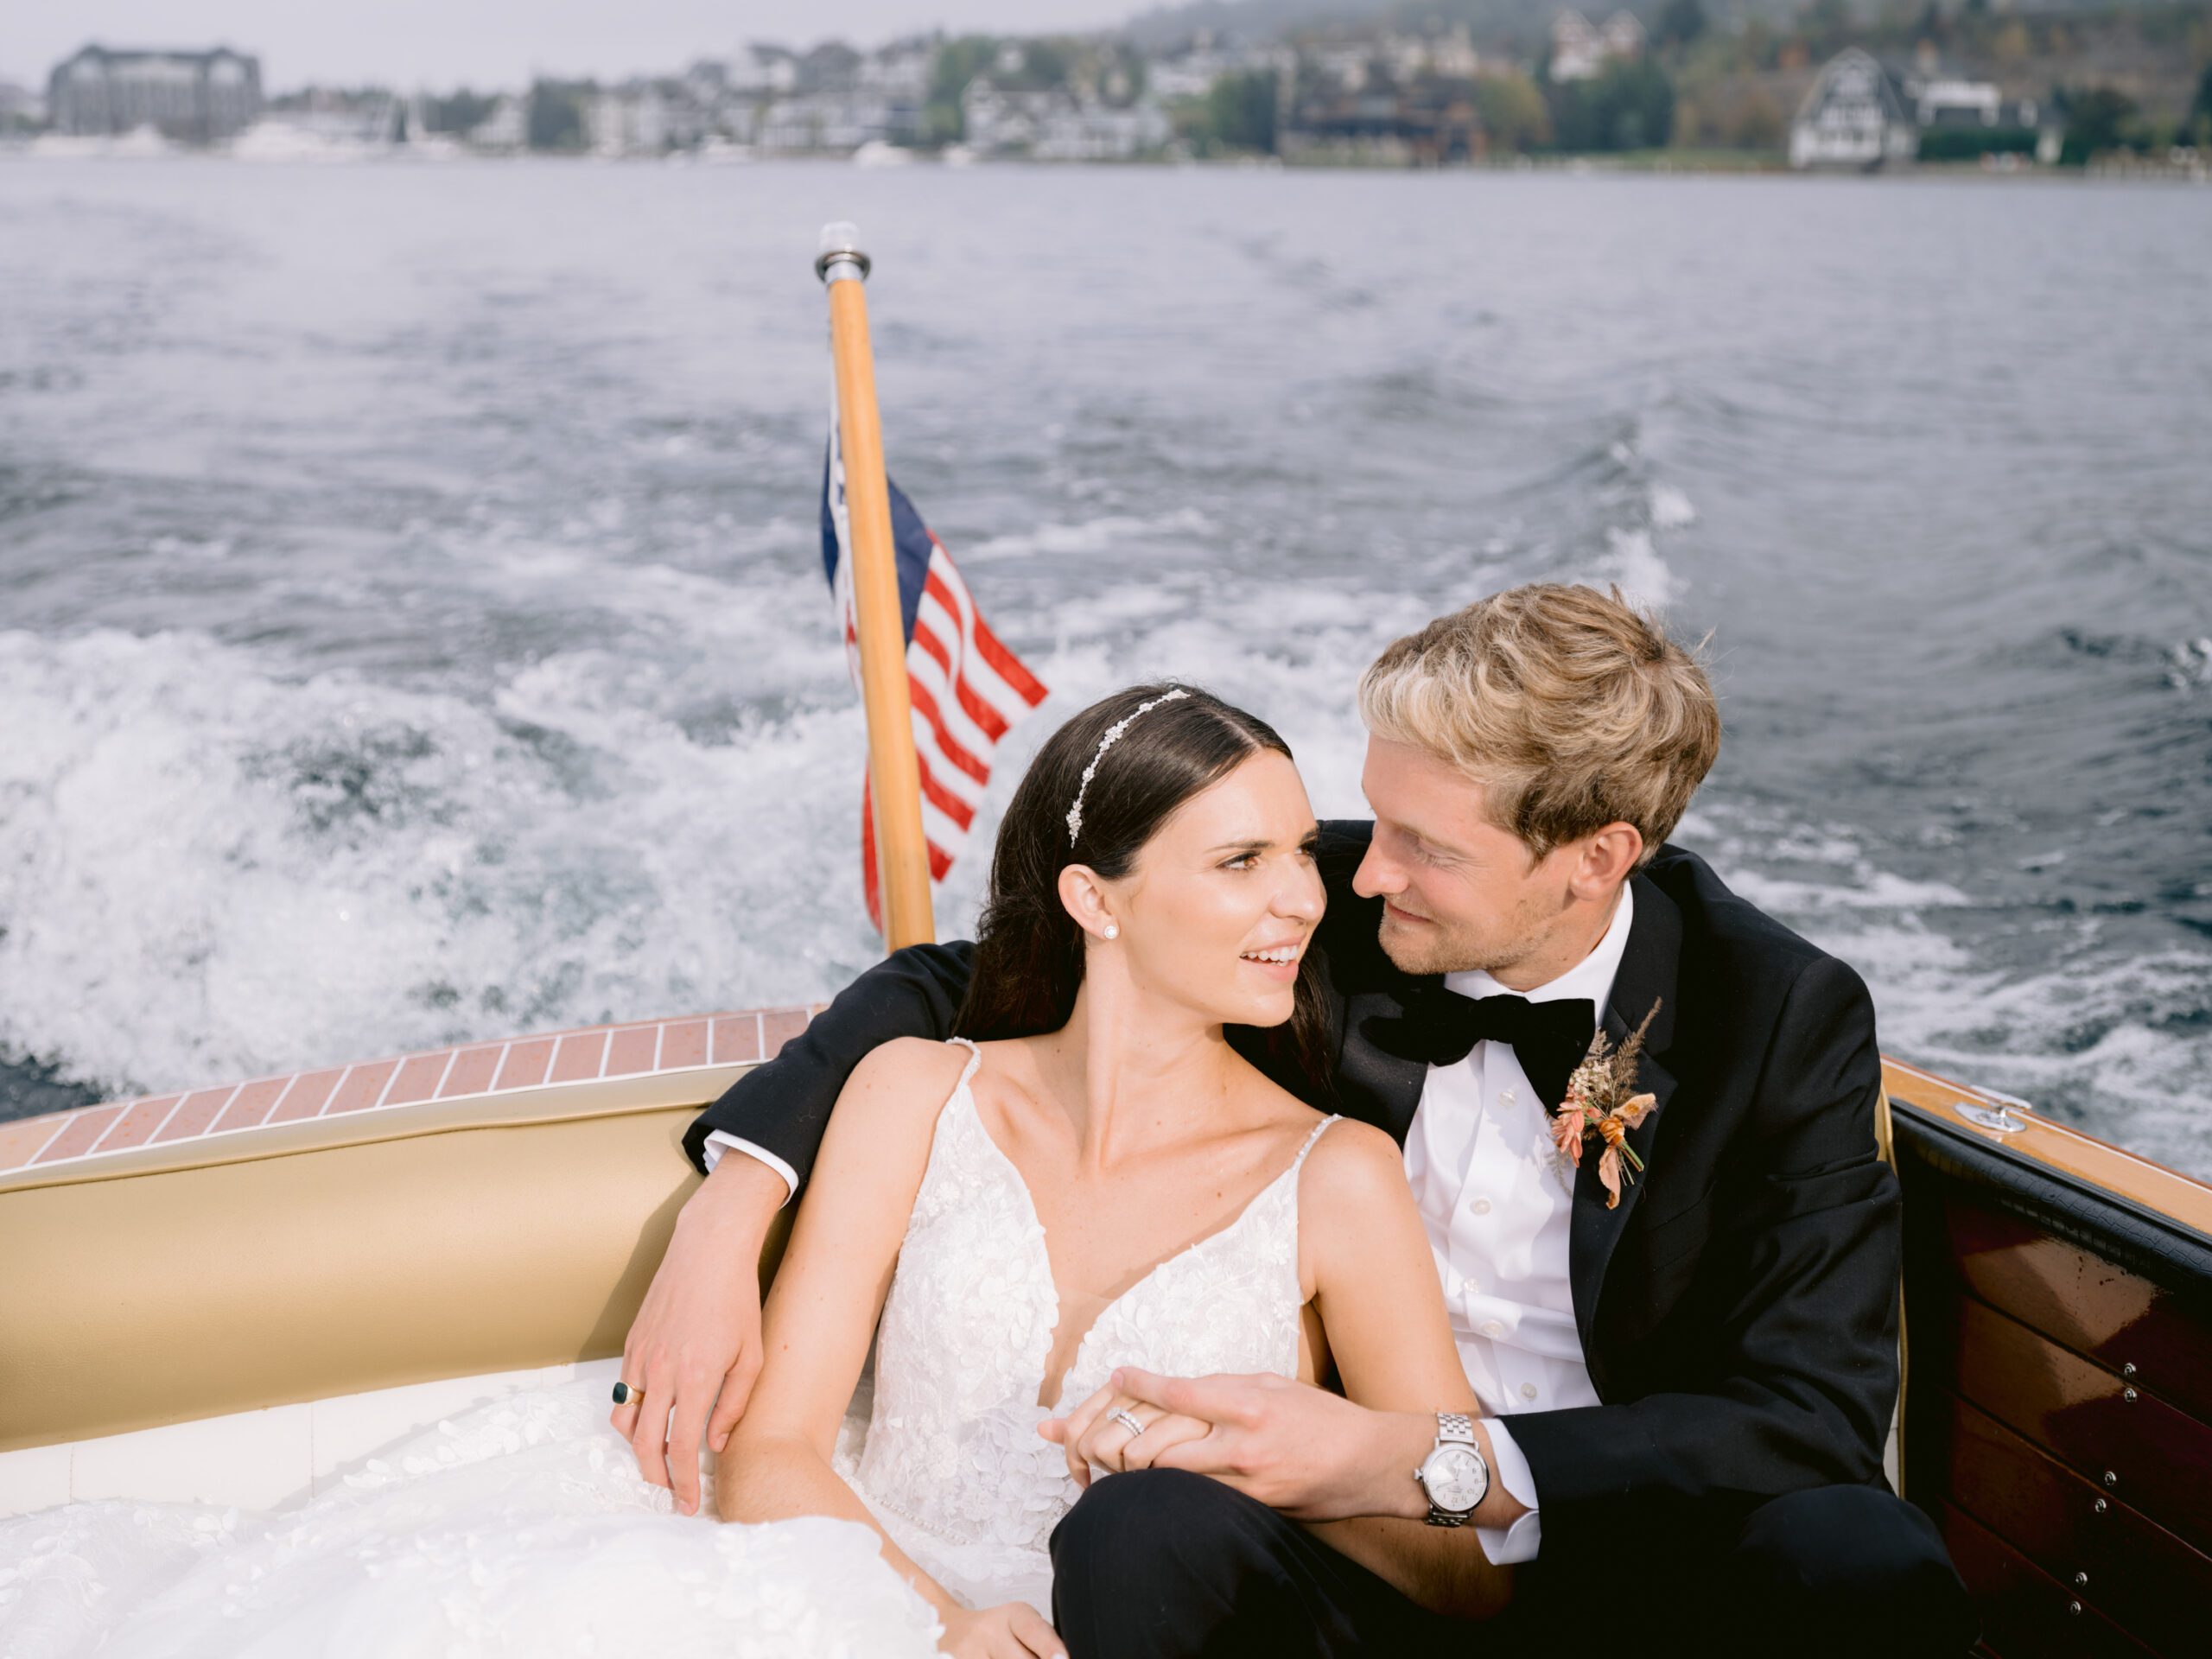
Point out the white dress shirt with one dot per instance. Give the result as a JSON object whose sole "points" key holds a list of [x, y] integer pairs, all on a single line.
{"points": [[1497, 1200], [719, 1142]]}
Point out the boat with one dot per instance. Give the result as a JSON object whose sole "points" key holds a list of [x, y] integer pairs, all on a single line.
{"points": [[235, 1294], [2056, 1418]]}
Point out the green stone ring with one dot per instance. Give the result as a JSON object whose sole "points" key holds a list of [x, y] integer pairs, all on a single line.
{"points": [[624, 1394]]}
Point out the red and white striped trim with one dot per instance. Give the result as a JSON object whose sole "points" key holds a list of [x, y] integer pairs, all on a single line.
{"points": [[590, 1054]]}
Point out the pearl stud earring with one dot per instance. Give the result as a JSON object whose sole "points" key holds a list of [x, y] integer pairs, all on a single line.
{"points": [[1113, 930]]}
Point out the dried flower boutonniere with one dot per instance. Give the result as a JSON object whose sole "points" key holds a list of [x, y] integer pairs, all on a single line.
{"points": [[1599, 1104]]}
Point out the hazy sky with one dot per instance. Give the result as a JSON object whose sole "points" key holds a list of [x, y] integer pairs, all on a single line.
{"points": [[494, 42]]}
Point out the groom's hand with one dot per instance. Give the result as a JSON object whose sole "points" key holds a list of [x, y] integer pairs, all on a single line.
{"points": [[1311, 1454], [694, 1349], [1093, 1439]]}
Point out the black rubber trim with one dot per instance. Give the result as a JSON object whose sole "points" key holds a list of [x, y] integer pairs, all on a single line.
{"points": [[2133, 1235]]}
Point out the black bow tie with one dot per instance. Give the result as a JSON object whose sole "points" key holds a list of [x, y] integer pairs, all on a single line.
{"points": [[1441, 1027]]}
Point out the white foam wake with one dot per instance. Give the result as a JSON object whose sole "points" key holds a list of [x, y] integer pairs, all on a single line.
{"points": [[2096, 1034], [216, 870]]}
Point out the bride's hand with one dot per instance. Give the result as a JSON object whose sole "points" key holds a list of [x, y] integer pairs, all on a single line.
{"points": [[1092, 1436], [1012, 1630]]}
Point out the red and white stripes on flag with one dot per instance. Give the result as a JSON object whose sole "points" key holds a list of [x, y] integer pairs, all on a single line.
{"points": [[967, 688]]}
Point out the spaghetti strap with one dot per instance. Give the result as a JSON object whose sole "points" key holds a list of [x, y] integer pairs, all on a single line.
{"points": [[974, 1060], [1298, 1162]]}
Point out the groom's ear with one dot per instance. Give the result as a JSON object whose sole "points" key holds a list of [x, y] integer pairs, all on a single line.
{"points": [[1604, 859]]}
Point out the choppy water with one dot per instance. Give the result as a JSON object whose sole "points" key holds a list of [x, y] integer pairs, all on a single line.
{"points": [[411, 629]]}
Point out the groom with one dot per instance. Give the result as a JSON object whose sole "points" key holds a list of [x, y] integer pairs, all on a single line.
{"points": [[1688, 1372]]}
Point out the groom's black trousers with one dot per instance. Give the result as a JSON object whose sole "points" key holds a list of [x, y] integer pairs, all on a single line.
{"points": [[1160, 1564]]}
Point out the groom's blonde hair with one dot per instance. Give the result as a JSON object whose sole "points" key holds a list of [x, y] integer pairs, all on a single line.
{"points": [[1571, 707]]}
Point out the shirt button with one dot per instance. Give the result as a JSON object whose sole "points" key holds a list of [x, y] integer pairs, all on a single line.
{"points": [[1480, 1206], [1528, 1390], [1506, 1097], [1491, 1328]]}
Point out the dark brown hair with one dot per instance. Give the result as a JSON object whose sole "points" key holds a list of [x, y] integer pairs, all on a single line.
{"points": [[1029, 951]]}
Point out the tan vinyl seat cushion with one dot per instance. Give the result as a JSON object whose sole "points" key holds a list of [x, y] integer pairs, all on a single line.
{"points": [[277, 1266]]}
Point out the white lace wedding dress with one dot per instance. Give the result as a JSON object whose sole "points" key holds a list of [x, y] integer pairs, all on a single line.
{"points": [[521, 1526]]}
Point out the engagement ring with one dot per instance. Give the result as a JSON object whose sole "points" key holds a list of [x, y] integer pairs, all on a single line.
{"points": [[1121, 1415]]}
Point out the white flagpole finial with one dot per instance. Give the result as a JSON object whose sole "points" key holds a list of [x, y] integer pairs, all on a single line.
{"points": [[842, 258]]}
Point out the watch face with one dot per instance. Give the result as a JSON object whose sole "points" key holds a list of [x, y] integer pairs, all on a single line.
{"points": [[1455, 1478]]}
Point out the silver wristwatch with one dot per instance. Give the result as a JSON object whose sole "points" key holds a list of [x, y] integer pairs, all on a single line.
{"points": [[1453, 1474]]}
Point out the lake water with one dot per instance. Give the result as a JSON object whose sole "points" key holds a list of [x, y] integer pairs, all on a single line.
{"points": [[412, 627]]}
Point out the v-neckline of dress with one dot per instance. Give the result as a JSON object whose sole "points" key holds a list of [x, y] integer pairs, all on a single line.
{"points": [[963, 1093]]}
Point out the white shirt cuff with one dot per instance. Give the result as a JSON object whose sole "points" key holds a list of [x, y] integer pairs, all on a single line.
{"points": [[1509, 1466], [718, 1142]]}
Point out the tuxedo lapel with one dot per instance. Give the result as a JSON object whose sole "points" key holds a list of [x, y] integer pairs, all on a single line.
{"points": [[1646, 978], [1383, 1088]]}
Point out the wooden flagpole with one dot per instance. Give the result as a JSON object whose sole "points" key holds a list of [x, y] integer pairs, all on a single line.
{"points": [[894, 773]]}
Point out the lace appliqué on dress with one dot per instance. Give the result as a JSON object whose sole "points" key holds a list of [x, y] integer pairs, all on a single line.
{"points": [[968, 1330]]}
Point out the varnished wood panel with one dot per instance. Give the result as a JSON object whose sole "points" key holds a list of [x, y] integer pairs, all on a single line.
{"points": [[2026, 1614], [2156, 1458], [2082, 1301], [2112, 1559], [2060, 1148]]}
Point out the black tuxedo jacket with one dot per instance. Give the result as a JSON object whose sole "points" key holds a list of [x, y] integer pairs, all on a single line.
{"points": [[1737, 1310]]}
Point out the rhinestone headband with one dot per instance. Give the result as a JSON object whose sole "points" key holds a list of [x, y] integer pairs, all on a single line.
{"points": [[1113, 736]]}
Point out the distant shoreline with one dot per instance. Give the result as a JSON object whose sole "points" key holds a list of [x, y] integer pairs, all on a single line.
{"points": [[1670, 163]]}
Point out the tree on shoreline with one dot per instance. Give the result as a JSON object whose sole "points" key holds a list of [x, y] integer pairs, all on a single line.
{"points": [[1240, 111], [1629, 105], [1682, 22], [556, 115]]}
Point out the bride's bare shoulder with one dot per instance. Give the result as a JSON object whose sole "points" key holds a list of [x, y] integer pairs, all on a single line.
{"points": [[898, 1081], [1355, 1166]]}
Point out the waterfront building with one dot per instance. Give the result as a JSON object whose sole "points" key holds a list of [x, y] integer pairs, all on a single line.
{"points": [[1056, 125], [1581, 49], [1084, 131], [898, 79], [654, 116], [1428, 122], [762, 69], [20, 107], [1952, 104], [1191, 74], [1452, 55], [900, 71], [705, 86], [1950, 101], [198, 98], [1854, 116], [626, 121], [325, 122], [836, 121], [505, 129], [1002, 122]]}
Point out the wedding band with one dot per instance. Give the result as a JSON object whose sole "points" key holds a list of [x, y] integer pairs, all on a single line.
{"points": [[1121, 1415], [624, 1394]]}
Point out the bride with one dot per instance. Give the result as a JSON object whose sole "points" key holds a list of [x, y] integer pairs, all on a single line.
{"points": [[1088, 1178]]}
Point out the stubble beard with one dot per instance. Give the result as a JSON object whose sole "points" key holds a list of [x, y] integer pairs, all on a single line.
{"points": [[1421, 951]]}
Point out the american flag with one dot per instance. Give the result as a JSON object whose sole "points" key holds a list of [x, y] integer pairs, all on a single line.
{"points": [[967, 688]]}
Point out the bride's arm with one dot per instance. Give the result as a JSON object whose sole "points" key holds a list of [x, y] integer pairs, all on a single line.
{"points": [[829, 1294], [1381, 1308]]}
